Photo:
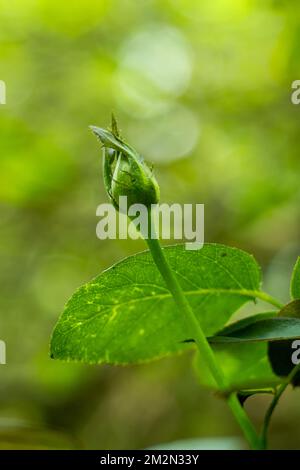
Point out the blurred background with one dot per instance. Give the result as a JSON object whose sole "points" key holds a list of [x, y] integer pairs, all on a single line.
{"points": [[202, 90]]}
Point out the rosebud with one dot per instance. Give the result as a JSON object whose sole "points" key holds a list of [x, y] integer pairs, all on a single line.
{"points": [[125, 171]]}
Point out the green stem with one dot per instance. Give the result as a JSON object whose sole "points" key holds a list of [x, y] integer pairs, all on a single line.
{"points": [[200, 339], [280, 390], [244, 422]]}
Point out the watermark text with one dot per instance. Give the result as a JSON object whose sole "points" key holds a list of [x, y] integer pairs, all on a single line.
{"points": [[175, 221]]}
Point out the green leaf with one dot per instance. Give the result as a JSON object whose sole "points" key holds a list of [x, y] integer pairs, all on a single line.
{"points": [[245, 366], [241, 350], [295, 281], [277, 332], [270, 329], [238, 325], [127, 315]]}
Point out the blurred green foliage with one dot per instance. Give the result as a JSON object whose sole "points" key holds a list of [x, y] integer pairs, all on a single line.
{"points": [[202, 89]]}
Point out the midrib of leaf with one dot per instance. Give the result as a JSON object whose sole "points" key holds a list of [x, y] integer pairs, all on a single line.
{"points": [[201, 291]]}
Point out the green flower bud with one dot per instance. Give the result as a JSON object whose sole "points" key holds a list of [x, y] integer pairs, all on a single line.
{"points": [[124, 170]]}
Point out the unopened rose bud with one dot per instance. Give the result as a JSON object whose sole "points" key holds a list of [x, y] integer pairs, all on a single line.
{"points": [[125, 171]]}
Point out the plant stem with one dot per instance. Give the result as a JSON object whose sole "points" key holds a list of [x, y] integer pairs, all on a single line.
{"points": [[274, 402], [245, 424], [200, 339]]}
